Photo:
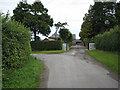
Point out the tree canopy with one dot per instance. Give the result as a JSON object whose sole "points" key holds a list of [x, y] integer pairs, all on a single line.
{"points": [[100, 18], [117, 14], [66, 35], [60, 25], [34, 16]]}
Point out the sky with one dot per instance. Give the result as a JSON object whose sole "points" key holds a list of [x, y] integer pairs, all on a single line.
{"points": [[70, 11]]}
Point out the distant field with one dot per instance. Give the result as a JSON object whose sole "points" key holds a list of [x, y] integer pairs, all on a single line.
{"points": [[110, 59]]}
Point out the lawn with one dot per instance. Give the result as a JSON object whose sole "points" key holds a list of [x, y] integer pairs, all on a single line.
{"points": [[49, 52], [110, 59], [26, 77]]}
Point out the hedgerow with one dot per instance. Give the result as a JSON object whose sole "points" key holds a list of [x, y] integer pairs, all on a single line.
{"points": [[15, 44], [109, 41], [46, 45]]}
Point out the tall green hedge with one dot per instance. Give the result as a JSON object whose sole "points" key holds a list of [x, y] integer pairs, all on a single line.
{"points": [[109, 41], [15, 44], [46, 45]]}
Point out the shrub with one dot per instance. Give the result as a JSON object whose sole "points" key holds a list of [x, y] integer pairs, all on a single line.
{"points": [[109, 41], [46, 45], [86, 41], [15, 44]]}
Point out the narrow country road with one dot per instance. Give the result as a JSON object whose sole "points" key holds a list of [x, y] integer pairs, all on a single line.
{"points": [[75, 69]]}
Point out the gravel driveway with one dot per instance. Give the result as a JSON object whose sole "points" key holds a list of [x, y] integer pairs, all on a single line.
{"points": [[75, 69]]}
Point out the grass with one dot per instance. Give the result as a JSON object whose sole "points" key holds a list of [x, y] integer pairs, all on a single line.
{"points": [[70, 47], [49, 52], [110, 59], [26, 77]]}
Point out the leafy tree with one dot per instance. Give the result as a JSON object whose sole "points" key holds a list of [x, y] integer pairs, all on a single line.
{"points": [[60, 25], [34, 16], [66, 35], [86, 28], [100, 18], [103, 16], [117, 14], [70, 38]]}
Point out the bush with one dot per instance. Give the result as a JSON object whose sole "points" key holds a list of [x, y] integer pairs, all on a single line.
{"points": [[15, 44], [46, 45], [109, 41], [86, 41]]}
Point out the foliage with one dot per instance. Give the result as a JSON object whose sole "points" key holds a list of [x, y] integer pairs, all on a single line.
{"points": [[110, 59], [66, 35], [46, 45], [117, 14], [60, 25], [86, 41], [15, 44], [109, 41], [100, 18], [70, 38], [26, 77], [38, 38], [104, 19], [86, 30], [34, 16]]}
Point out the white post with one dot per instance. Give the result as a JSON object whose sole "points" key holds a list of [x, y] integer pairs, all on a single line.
{"points": [[91, 46]]}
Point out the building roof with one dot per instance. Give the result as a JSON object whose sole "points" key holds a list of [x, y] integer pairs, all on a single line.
{"points": [[46, 39]]}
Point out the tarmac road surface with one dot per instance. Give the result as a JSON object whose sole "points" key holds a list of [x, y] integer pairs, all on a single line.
{"points": [[75, 69]]}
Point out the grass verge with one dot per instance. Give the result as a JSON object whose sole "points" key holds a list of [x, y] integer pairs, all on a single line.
{"points": [[110, 59], [26, 77], [49, 52]]}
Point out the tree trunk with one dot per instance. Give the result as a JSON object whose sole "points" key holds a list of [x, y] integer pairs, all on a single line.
{"points": [[35, 35]]}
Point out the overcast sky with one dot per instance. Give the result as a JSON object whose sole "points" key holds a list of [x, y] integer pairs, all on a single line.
{"points": [[70, 11]]}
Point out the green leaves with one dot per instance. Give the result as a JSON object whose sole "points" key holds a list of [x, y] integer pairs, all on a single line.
{"points": [[66, 35], [15, 44], [46, 45], [34, 16], [60, 25], [100, 18], [108, 41], [117, 14]]}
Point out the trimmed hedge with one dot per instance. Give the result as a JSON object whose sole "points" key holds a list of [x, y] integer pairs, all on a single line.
{"points": [[46, 45], [15, 44], [109, 41]]}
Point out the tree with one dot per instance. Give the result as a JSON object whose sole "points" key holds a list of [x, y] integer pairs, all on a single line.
{"points": [[70, 38], [60, 25], [103, 16], [66, 35], [34, 16], [100, 18], [117, 14], [86, 28]]}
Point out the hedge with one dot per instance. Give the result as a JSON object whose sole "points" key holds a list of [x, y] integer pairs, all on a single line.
{"points": [[109, 41], [15, 44], [46, 45]]}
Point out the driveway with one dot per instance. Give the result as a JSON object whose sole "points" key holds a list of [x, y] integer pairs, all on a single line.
{"points": [[75, 69]]}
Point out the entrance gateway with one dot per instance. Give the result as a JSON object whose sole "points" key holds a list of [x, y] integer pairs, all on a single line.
{"points": [[76, 42]]}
